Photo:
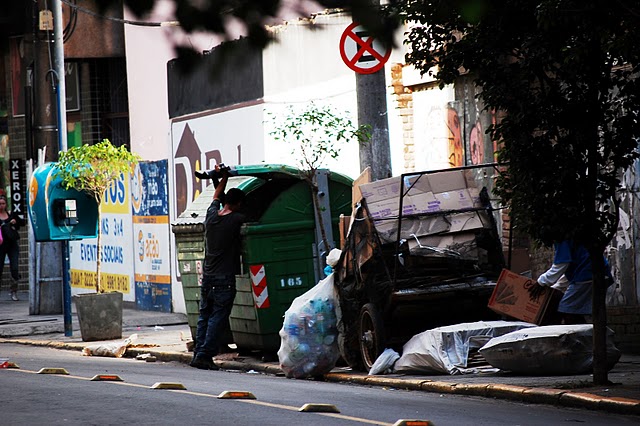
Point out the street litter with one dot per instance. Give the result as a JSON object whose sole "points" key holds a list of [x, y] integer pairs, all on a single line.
{"points": [[384, 363], [309, 344], [113, 349], [448, 349], [548, 350], [146, 357]]}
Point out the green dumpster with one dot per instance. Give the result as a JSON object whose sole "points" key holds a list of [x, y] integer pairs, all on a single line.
{"points": [[280, 255], [190, 253]]}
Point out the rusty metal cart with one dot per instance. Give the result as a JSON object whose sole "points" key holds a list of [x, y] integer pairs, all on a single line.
{"points": [[432, 261]]}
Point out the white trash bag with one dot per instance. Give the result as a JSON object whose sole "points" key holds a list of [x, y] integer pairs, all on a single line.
{"points": [[112, 349], [309, 335], [548, 350], [384, 362]]}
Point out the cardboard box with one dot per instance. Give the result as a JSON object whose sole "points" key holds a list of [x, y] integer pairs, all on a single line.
{"points": [[356, 194], [381, 190], [389, 208], [454, 200], [474, 193], [425, 203], [388, 228], [464, 240], [465, 222], [345, 224], [511, 297], [417, 184], [447, 181]]}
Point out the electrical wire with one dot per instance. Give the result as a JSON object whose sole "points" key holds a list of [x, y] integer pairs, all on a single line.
{"points": [[71, 25], [51, 69], [75, 7]]}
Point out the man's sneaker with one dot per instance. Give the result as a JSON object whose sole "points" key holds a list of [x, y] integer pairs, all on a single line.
{"points": [[14, 296], [203, 364]]}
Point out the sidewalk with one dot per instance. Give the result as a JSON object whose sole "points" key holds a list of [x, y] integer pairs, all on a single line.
{"points": [[165, 336]]}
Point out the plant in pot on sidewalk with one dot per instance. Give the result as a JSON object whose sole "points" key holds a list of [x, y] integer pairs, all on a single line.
{"points": [[93, 169]]}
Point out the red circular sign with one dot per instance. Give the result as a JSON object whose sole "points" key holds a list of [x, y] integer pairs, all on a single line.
{"points": [[361, 51]]}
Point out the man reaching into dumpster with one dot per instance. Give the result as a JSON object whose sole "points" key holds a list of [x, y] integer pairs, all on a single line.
{"points": [[571, 260], [221, 264]]}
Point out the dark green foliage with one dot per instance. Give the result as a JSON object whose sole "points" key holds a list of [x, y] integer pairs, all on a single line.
{"points": [[561, 71]]}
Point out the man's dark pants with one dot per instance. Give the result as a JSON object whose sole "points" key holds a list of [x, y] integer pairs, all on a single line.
{"points": [[216, 300]]}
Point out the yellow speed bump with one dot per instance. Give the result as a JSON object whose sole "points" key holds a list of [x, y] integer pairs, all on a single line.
{"points": [[319, 408], [106, 378], [168, 385], [53, 371], [236, 395], [10, 364], [412, 422]]}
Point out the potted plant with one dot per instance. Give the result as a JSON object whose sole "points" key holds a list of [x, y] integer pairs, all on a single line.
{"points": [[93, 169]]}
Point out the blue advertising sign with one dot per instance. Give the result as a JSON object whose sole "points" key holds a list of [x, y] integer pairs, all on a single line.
{"points": [[150, 203]]}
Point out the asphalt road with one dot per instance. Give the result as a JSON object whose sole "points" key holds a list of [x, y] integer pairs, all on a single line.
{"points": [[46, 399]]}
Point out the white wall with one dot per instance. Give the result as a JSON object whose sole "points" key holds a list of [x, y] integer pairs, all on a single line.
{"points": [[148, 49]]}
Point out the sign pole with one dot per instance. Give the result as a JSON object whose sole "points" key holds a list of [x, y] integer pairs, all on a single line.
{"points": [[367, 56]]}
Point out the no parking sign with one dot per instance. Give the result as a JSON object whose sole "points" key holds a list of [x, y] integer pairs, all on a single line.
{"points": [[361, 51]]}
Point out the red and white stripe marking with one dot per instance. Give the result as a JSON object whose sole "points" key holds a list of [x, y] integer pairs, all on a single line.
{"points": [[259, 286]]}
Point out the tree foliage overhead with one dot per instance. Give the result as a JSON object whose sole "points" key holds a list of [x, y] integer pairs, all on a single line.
{"points": [[224, 17], [562, 75]]}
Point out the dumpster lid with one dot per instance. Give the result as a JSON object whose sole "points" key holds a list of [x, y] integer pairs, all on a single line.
{"points": [[282, 171], [247, 178]]}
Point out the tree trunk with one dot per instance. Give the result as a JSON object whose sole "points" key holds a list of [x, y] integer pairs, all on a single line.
{"points": [[99, 245], [599, 312], [319, 222]]}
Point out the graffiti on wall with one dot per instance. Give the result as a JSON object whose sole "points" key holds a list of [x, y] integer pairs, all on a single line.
{"points": [[232, 137], [188, 158], [453, 130], [456, 155], [476, 143]]}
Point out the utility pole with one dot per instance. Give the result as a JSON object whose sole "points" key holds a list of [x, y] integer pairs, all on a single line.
{"points": [[44, 123], [47, 272], [371, 92], [372, 110], [62, 146]]}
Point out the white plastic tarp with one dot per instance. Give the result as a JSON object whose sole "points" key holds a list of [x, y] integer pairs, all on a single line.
{"points": [[548, 350], [446, 349]]}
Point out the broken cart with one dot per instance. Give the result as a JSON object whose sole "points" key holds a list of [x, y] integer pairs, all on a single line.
{"points": [[422, 251]]}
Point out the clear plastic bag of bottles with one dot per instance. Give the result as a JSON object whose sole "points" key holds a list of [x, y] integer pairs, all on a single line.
{"points": [[309, 334]]}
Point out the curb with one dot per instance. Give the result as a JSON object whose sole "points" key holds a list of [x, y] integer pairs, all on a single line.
{"points": [[548, 396]]}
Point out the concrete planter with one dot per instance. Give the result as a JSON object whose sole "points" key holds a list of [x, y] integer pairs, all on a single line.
{"points": [[99, 315]]}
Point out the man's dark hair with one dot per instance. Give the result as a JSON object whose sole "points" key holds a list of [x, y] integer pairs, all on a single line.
{"points": [[234, 197]]}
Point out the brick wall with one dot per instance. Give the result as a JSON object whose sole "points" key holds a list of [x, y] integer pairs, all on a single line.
{"points": [[403, 97], [625, 322]]}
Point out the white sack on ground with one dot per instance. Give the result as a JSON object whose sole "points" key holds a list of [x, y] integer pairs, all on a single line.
{"points": [[113, 349], [446, 349], [548, 350], [384, 362], [309, 335]]}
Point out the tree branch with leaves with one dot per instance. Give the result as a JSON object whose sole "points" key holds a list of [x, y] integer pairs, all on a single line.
{"points": [[316, 133]]}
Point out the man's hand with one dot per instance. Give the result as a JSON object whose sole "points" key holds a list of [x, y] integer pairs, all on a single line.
{"points": [[535, 291]]}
